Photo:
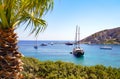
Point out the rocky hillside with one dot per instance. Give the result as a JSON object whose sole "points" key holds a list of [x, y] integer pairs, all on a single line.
{"points": [[108, 36]]}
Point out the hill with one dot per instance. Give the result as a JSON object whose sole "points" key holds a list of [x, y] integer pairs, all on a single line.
{"points": [[108, 36]]}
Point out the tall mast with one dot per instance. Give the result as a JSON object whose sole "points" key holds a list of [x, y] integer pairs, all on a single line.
{"points": [[76, 35], [79, 36]]}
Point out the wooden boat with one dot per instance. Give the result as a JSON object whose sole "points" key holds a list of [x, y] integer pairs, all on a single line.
{"points": [[106, 47], [77, 51]]}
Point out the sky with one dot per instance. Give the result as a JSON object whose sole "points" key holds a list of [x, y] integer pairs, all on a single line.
{"points": [[90, 15]]}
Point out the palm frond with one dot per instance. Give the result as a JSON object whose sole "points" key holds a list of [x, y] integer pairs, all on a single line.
{"points": [[16, 12], [3, 18]]}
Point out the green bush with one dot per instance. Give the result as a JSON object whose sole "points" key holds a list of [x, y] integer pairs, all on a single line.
{"points": [[33, 68]]}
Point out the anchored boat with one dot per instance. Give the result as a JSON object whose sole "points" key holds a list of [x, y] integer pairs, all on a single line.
{"points": [[106, 47], [68, 43], [36, 46], [77, 50]]}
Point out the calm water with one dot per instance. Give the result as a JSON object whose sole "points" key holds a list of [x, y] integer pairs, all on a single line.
{"points": [[59, 51]]}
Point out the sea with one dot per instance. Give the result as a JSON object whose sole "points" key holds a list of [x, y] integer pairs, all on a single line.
{"points": [[58, 51]]}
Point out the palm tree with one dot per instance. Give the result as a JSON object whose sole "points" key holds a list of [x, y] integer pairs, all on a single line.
{"points": [[14, 13]]}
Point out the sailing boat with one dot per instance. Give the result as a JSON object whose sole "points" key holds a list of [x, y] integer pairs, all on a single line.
{"points": [[36, 46], [77, 51]]}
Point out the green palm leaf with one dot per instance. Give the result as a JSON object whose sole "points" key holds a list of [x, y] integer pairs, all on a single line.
{"points": [[3, 18], [15, 12]]}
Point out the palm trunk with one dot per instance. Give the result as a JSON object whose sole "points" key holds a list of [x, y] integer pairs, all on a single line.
{"points": [[10, 62]]}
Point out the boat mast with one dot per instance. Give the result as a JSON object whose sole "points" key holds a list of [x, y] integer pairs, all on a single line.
{"points": [[75, 42], [36, 42], [78, 36]]}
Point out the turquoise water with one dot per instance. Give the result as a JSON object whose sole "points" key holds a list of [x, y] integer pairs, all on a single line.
{"points": [[59, 51]]}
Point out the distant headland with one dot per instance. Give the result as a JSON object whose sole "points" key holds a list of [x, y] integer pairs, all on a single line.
{"points": [[108, 36]]}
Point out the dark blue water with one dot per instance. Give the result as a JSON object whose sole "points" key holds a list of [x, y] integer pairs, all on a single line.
{"points": [[59, 51]]}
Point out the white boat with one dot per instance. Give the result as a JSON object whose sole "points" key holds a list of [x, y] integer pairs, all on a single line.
{"points": [[77, 51], [106, 47], [51, 43]]}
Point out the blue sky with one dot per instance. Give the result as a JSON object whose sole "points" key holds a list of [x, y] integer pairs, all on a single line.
{"points": [[91, 15]]}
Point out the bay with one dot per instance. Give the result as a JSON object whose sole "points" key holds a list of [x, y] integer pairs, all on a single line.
{"points": [[58, 51]]}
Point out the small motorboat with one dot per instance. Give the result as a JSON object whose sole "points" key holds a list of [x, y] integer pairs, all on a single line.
{"points": [[68, 43], [51, 43], [43, 44], [106, 47]]}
